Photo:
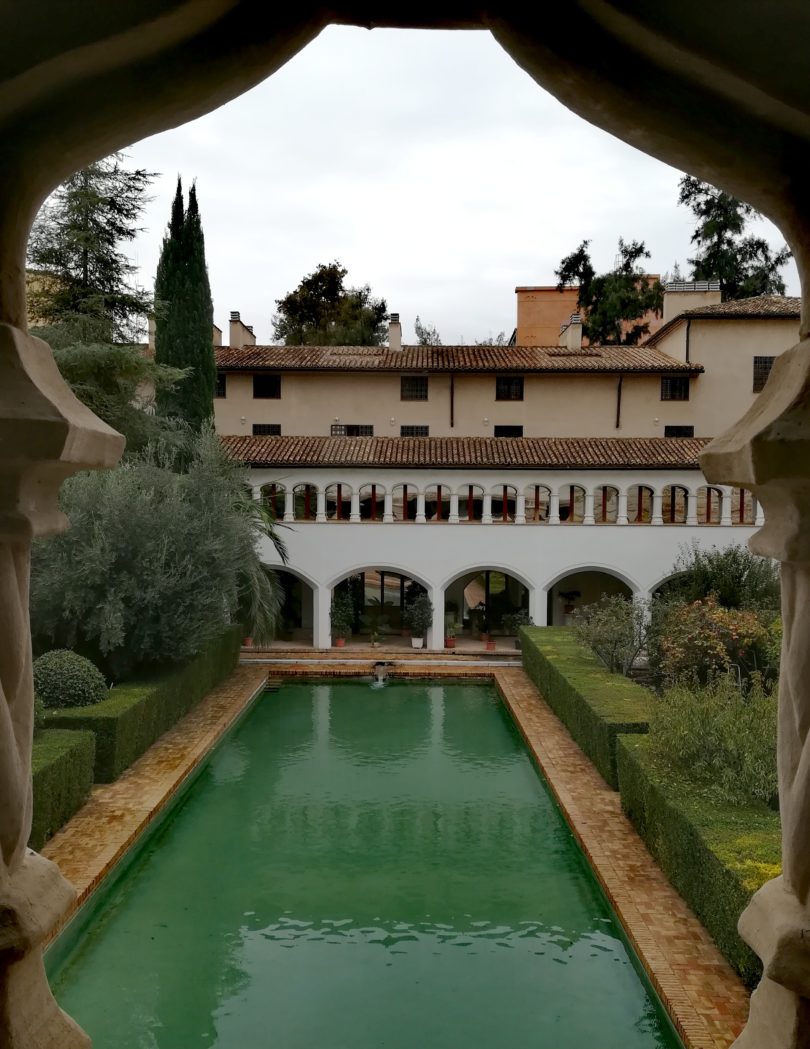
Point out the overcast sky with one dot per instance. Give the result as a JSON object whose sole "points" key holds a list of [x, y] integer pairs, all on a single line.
{"points": [[428, 163]]}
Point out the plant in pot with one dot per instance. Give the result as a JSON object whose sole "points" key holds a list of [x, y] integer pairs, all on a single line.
{"points": [[513, 621], [450, 635], [419, 617], [342, 616]]}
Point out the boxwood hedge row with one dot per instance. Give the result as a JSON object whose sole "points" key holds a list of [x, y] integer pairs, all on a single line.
{"points": [[63, 776]]}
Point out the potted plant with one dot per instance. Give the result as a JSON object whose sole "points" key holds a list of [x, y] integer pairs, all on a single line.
{"points": [[450, 635], [419, 617], [341, 615], [513, 621], [375, 639]]}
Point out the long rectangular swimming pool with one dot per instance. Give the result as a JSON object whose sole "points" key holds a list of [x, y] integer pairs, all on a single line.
{"points": [[361, 868]]}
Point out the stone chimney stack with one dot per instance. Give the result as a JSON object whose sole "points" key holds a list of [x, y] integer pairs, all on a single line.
{"points": [[217, 334], [394, 333], [240, 334], [571, 333], [689, 295]]}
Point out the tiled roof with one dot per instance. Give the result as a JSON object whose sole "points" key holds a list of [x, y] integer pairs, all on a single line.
{"points": [[450, 359], [553, 453], [759, 307]]}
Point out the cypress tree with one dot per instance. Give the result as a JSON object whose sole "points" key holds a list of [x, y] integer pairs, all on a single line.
{"points": [[184, 314]]}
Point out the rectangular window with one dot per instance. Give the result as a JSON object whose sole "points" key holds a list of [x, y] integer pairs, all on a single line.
{"points": [[414, 431], [413, 388], [679, 431], [674, 387], [267, 429], [221, 388], [508, 431], [762, 369], [267, 387], [352, 430], [508, 387]]}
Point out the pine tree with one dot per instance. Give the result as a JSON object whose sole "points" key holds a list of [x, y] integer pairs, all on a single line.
{"points": [[82, 281], [184, 314]]}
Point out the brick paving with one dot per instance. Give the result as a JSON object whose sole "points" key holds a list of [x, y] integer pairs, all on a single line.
{"points": [[705, 999]]}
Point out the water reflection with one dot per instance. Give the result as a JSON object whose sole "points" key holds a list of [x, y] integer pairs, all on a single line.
{"points": [[362, 868]]}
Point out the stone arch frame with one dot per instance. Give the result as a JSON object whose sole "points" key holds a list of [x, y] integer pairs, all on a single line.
{"points": [[380, 492], [387, 567], [489, 566], [413, 491], [592, 566], [73, 102]]}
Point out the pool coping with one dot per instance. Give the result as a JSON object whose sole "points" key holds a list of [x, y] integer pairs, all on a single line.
{"points": [[705, 1000]]}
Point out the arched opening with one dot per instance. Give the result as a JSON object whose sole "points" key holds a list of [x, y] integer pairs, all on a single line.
{"points": [[297, 609], [437, 502], [538, 499], [379, 598], [404, 502], [709, 505], [639, 504], [572, 504], [305, 502], [579, 589], [338, 502], [606, 504], [470, 502], [372, 502], [504, 504], [743, 507], [675, 504], [479, 602], [273, 499]]}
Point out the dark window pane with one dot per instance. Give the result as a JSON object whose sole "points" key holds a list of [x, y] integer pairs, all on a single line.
{"points": [[267, 429], [414, 431], [221, 388], [508, 431], [679, 431], [509, 388], [675, 388], [267, 387], [762, 369], [413, 388], [352, 430]]}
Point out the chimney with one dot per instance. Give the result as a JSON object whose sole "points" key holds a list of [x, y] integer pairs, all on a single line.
{"points": [[689, 295], [240, 334], [571, 333], [217, 336], [394, 333]]}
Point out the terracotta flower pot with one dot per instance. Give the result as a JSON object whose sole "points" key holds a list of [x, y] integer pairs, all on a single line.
{"points": [[247, 643], [490, 646], [449, 642], [340, 642]]}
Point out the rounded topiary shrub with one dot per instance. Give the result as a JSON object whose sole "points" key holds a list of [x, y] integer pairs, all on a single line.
{"points": [[65, 679]]}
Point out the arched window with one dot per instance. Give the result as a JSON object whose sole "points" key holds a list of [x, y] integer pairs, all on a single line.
{"points": [[470, 502], [606, 504], [709, 505], [404, 502], [743, 510], [674, 504], [639, 504], [504, 503], [538, 498], [338, 502], [306, 502], [437, 502], [273, 499], [372, 502], [572, 504]]}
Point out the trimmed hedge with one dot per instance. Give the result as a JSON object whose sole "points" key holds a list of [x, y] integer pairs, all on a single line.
{"points": [[716, 856], [63, 776], [593, 704], [138, 713]]}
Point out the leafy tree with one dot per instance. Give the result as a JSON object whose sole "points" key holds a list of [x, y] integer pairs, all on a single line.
{"points": [[744, 264], [615, 629], [321, 311], [184, 315], [157, 562], [493, 340], [613, 303], [735, 577], [83, 280], [426, 334]]}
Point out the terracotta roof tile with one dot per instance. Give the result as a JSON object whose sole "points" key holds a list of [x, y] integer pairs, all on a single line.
{"points": [[450, 359], [554, 453], [759, 307]]}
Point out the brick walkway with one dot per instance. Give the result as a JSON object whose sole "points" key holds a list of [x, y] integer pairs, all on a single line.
{"points": [[706, 1001], [93, 841]]}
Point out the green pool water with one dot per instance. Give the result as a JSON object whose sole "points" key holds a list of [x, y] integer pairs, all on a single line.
{"points": [[361, 868]]}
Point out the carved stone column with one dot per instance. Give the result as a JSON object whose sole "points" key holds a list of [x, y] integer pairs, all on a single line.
{"points": [[768, 451], [46, 434]]}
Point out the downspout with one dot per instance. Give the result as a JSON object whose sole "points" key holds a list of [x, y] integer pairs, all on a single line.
{"points": [[619, 403], [452, 400], [688, 326]]}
